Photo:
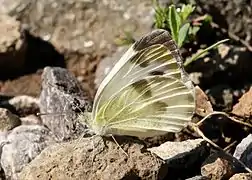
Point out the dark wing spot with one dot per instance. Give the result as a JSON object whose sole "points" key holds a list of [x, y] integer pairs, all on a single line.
{"points": [[156, 73], [142, 87]]}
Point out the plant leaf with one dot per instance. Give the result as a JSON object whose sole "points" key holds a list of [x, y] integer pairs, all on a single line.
{"points": [[183, 34], [186, 10], [174, 22], [198, 55]]}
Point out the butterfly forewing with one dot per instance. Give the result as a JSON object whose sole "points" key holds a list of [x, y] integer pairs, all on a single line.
{"points": [[147, 92]]}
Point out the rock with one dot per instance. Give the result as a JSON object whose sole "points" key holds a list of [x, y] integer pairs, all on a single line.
{"points": [[244, 107], [183, 156], [82, 26], [242, 176], [203, 105], [220, 166], [22, 105], [22, 145], [243, 151], [12, 47], [31, 120], [60, 100], [80, 160], [8, 120]]}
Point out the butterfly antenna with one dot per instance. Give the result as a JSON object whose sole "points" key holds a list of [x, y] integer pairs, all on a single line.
{"points": [[119, 145], [50, 114]]}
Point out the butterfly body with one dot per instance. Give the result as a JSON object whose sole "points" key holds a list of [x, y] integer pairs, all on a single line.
{"points": [[147, 92]]}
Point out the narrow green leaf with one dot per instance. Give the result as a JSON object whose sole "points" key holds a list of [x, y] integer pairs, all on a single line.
{"points": [[198, 55], [174, 22], [183, 34]]}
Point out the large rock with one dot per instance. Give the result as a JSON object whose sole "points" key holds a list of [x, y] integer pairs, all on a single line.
{"points": [[95, 158], [81, 26], [21, 146], [243, 151], [186, 156], [61, 100]]}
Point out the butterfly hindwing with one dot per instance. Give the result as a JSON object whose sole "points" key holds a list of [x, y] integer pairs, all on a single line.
{"points": [[147, 92]]}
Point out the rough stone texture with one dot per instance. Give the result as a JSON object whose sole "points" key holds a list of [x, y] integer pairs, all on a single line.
{"points": [[12, 47], [22, 145], [81, 25], [31, 120], [79, 160], [241, 176], [182, 156], [243, 151], [61, 98], [244, 107], [203, 105], [220, 166], [8, 120]]}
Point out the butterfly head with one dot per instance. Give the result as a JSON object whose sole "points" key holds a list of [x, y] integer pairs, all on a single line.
{"points": [[86, 118]]}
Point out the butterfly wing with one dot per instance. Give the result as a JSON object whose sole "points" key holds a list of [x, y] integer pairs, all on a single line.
{"points": [[147, 92]]}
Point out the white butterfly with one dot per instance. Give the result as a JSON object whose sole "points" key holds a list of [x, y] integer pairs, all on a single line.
{"points": [[147, 92]]}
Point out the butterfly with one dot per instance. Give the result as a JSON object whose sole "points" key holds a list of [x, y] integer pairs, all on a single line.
{"points": [[147, 93]]}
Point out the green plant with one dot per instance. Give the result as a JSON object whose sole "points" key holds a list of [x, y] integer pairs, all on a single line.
{"points": [[176, 20]]}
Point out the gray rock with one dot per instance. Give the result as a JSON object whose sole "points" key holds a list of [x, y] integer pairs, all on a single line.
{"points": [[183, 156], [81, 26], [22, 145], [175, 151], [61, 100], [31, 120], [95, 158], [8, 120], [243, 151]]}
